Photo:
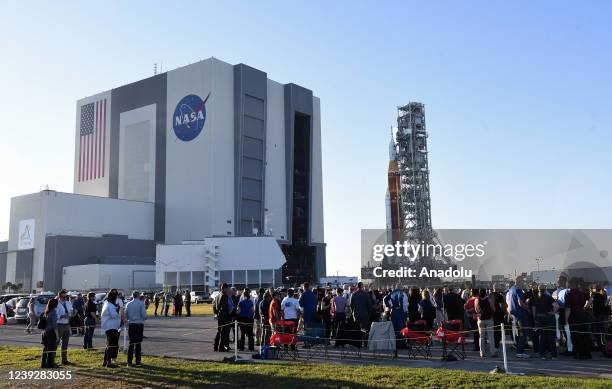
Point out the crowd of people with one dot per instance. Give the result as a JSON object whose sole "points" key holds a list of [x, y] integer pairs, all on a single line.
{"points": [[55, 323], [177, 300], [571, 316]]}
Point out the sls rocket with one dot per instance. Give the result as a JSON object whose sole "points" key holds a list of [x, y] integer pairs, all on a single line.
{"points": [[392, 197]]}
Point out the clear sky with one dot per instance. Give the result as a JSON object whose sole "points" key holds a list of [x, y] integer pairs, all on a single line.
{"points": [[518, 96]]}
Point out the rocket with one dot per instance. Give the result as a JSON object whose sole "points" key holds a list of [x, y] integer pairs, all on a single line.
{"points": [[392, 197]]}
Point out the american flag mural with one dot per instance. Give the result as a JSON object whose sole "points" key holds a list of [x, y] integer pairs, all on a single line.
{"points": [[92, 150]]}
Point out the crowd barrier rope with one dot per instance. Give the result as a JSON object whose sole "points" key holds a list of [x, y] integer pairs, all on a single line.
{"points": [[235, 324]]}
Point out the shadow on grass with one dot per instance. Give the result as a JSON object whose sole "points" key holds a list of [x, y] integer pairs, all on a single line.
{"points": [[161, 377]]}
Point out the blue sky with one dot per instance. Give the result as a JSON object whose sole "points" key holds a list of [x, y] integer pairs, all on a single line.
{"points": [[518, 96]]}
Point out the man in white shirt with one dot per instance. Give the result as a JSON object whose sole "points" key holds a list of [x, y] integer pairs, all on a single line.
{"points": [[291, 307], [64, 313]]}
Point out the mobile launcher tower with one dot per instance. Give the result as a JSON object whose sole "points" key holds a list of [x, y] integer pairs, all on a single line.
{"points": [[408, 200]]}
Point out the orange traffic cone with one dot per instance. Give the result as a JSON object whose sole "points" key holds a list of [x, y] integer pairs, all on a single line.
{"points": [[2, 320]]}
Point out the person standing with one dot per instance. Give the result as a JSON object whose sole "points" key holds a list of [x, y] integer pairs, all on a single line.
{"points": [[64, 312], [394, 306], [361, 305], [598, 303], [178, 304], [32, 317], [79, 312], [49, 336], [338, 310], [308, 302], [325, 309], [246, 312], [187, 301], [135, 314], [484, 306], [156, 302], [225, 309], [167, 302], [563, 328], [453, 305], [290, 307], [257, 317], [543, 308], [575, 315], [517, 308], [275, 312], [426, 309], [90, 320], [498, 314], [111, 322], [264, 312], [470, 312]]}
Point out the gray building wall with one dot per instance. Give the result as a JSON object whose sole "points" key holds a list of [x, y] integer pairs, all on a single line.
{"points": [[126, 98], [250, 92], [23, 268], [3, 252], [61, 251]]}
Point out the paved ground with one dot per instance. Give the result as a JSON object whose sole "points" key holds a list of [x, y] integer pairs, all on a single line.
{"points": [[193, 337]]}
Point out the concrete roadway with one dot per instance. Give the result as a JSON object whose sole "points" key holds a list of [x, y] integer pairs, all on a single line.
{"points": [[192, 338]]}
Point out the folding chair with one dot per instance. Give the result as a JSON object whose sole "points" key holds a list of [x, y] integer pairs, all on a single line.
{"points": [[315, 342], [453, 339], [417, 339], [283, 342]]}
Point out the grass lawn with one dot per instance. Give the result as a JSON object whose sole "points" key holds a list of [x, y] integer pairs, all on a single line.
{"points": [[196, 309], [160, 372]]}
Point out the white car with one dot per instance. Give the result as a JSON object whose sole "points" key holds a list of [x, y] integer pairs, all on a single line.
{"points": [[200, 297]]}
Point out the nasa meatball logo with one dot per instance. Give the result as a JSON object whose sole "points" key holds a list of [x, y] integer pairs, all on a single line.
{"points": [[189, 117]]}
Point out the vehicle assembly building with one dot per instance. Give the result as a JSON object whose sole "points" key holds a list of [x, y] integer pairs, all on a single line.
{"points": [[204, 151]]}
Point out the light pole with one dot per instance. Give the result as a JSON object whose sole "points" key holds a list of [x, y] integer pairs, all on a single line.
{"points": [[538, 260]]}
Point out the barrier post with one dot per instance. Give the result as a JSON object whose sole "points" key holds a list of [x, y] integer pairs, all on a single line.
{"points": [[236, 340], [125, 349], [503, 340]]}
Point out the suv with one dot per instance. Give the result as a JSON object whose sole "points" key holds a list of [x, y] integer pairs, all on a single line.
{"points": [[200, 297]]}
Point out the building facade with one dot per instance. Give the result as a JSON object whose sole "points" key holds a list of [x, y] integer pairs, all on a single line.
{"points": [[213, 149]]}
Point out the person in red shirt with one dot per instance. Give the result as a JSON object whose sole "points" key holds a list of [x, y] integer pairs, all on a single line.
{"points": [[275, 310], [470, 311]]}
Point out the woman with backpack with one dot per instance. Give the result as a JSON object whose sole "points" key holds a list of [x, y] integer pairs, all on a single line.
{"points": [[484, 305], [48, 323]]}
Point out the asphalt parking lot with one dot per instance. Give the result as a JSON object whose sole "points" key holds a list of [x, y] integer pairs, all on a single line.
{"points": [[192, 338]]}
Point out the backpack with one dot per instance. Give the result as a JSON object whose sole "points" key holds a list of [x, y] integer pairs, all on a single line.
{"points": [[42, 322]]}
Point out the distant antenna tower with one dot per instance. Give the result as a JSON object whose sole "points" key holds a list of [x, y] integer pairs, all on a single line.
{"points": [[155, 69]]}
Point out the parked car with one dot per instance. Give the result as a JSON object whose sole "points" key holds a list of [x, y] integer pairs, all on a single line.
{"points": [[6, 297], [21, 310], [40, 304], [11, 306], [214, 294], [200, 297]]}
